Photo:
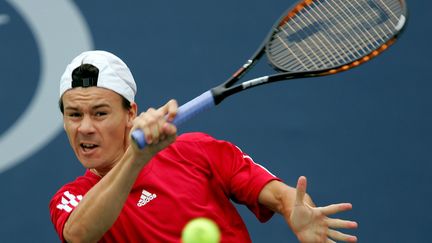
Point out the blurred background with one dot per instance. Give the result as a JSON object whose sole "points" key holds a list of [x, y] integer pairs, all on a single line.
{"points": [[363, 136]]}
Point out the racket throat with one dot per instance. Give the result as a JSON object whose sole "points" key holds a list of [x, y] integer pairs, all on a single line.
{"points": [[255, 82], [221, 92]]}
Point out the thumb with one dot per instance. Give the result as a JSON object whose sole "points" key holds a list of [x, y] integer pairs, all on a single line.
{"points": [[301, 190]]}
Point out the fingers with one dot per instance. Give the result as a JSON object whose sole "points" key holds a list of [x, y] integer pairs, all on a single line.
{"points": [[341, 224], [301, 190], [312, 223], [339, 236], [156, 123], [335, 208], [170, 109], [151, 124]]}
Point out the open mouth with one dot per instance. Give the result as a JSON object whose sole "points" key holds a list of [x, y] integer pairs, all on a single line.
{"points": [[88, 146]]}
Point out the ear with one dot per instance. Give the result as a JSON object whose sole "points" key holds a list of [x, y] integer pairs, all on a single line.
{"points": [[132, 114]]}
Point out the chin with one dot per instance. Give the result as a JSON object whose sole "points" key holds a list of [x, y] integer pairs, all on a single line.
{"points": [[90, 163]]}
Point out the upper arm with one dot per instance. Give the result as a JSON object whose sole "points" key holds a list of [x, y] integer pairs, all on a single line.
{"points": [[61, 207]]}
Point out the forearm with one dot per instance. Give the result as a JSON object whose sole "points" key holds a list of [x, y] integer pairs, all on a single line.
{"points": [[100, 207], [279, 197], [274, 193]]}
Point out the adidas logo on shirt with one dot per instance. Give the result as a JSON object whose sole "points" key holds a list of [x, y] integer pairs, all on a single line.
{"points": [[145, 198], [69, 201]]}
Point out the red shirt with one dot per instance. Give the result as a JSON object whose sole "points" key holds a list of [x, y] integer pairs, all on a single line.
{"points": [[195, 176]]}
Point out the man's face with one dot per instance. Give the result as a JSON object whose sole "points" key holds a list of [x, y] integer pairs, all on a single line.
{"points": [[97, 126]]}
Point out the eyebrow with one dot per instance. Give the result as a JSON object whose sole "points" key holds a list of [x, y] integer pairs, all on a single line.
{"points": [[95, 107], [100, 106]]}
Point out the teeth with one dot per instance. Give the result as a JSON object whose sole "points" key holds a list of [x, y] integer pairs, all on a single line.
{"points": [[88, 145]]}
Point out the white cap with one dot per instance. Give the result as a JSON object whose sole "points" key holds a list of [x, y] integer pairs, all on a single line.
{"points": [[113, 73]]}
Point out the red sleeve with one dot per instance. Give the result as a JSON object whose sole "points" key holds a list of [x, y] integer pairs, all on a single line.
{"points": [[243, 179], [247, 182], [65, 201]]}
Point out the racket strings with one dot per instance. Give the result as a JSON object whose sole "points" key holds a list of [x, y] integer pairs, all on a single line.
{"points": [[331, 33], [312, 44], [357, 38], [328, 49], [342, 26]]}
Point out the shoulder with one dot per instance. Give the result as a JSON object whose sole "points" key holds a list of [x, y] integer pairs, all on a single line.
{"points": [[64, 201], [87, 180], [200, 144], [79, 186], [201, 140], [195, 137], [200, 137]]}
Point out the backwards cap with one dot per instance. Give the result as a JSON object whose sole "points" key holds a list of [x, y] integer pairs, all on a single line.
{"points": [[113, 74]]}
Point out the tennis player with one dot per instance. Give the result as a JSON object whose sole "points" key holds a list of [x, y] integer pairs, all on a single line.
{"points": [[133, 195]]}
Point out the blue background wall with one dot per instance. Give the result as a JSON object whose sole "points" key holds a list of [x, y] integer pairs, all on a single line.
{"points": [[362, 136]]}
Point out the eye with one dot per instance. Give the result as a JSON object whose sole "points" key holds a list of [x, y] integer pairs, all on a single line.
{"points": [[101, 113], [74, 114]]}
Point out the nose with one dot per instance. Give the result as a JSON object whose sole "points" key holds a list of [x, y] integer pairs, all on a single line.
{"points": [[86, 126]]}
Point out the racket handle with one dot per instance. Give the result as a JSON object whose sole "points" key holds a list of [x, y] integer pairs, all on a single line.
{"points": [[184, 113]]}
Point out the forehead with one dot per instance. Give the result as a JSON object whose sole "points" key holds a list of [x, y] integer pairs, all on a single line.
{"points": [[90, 96]]}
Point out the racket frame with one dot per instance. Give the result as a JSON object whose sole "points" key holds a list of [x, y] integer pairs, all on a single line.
{"points": [[228, 88], [217, 94]]}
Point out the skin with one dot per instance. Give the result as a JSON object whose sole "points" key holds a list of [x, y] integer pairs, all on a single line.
{"points": [[108, 126], [98, 128], [309, 223]]}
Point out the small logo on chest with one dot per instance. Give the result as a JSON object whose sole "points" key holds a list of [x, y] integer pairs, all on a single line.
{"points": [[145, 198]]}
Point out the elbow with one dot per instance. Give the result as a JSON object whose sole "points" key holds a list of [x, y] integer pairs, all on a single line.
{"points": [[77, 233]]}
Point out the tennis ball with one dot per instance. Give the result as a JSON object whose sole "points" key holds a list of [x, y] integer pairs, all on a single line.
{"points": [[201, 230]]}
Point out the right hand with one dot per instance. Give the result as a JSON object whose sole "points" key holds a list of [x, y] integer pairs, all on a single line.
{"points": [[157, 127]]}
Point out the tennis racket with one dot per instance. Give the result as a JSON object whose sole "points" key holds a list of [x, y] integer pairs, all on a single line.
{"points": [[313, 38]]}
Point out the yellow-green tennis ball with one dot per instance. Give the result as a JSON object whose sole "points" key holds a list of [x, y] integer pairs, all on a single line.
{"points": [[201, 230]]}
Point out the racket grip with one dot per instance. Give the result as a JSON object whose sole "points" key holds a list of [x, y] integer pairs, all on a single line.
{"points": [[184, 113]]}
